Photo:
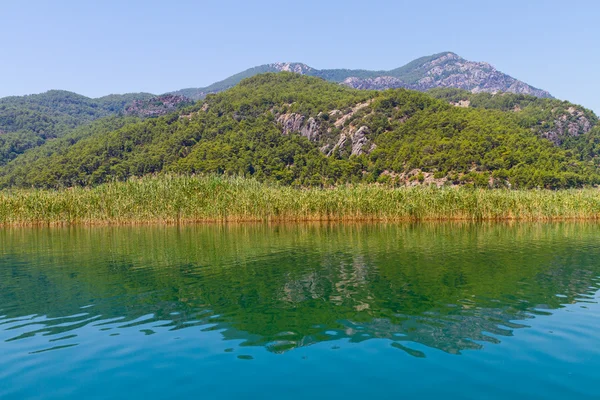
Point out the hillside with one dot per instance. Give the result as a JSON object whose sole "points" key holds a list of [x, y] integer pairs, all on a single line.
{"points": [[29, 121], [558, 121], [437, 71], [301, 130]]}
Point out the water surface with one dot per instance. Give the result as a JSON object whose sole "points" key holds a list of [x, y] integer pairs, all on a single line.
{"points": [[297, 311]]}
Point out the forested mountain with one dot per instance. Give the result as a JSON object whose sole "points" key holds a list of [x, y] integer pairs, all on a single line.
{"points": [[28, 121], [437, 71], [302, 130]]}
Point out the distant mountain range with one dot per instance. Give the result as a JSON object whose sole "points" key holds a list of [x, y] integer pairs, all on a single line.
{"points": [[437, 71]]}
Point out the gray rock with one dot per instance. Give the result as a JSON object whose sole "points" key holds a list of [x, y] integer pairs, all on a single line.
{"points": [[359, 139], [450, 70], [308, 128]]}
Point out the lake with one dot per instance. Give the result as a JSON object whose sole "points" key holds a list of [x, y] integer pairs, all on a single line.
{"points": [[465, 311]]}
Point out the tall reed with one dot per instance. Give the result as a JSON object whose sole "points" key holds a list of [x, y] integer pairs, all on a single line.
{"points": [[179, 199]]}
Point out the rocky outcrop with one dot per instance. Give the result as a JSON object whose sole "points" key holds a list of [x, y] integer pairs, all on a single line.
{"points": [[293, 122], [378, 83], [358, 139], [297, 68], [355, 138], [573, 122], [462, 103], [448, 70]]}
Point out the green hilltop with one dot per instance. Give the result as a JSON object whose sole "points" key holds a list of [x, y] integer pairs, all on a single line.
{"points": [[29, 121]]}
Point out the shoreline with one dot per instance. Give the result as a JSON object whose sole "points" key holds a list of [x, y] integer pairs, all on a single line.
{"points": [[297, 221], [185, 200]]}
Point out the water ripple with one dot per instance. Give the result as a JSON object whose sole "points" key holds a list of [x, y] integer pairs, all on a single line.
{"points": [[142, 293]]}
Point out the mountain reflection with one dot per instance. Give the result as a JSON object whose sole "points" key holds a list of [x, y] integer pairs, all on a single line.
{"points": [[446, 286]]}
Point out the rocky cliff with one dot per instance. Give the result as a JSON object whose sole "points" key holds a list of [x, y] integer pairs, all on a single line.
{"points": [[447, 70], [336, 131]]}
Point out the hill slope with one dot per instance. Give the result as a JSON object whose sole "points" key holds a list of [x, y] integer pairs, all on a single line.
{"points": [[302, 130], [552, 119], [28, 121], [436, 71]]}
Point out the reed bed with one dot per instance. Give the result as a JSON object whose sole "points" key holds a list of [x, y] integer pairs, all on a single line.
{"points": [[187, 199]]}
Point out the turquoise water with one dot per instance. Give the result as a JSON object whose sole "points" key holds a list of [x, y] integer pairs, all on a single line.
{"points": [[301, 311]]}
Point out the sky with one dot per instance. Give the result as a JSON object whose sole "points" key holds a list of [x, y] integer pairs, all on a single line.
{"points": [[99, 47]]}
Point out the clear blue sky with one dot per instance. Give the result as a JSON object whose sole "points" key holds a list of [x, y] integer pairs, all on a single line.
{"points": [[97, 47]]}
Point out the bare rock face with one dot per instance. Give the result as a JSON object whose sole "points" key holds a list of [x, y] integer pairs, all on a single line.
{"points": [[298, 68], [293, 122], [462, 103], [448, 70], [358, 140], [351, 137], [310, 130], [379, 83]]}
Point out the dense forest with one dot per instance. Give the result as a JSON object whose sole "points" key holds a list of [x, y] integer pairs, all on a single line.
{"points": [[29, 121], [303, 131]]}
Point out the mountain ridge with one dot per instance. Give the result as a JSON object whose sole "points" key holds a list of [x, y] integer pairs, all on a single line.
{"points": [[446, 69]]}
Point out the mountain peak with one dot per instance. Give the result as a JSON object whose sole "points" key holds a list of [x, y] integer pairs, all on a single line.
{"points": [[447, 55], [447, 69], [441, 70]]}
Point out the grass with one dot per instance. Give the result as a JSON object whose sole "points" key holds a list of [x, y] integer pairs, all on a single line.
{"points": [[181, 199]]}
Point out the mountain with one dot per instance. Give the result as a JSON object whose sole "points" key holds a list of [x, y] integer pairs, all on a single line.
{"points": [[29, 121], [300, 130], [437, 71]]}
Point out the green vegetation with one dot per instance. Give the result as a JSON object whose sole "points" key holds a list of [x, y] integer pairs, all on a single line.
{"points": [[542, 115], [200, 93], [568, 125], [173, 199], [29, 121], [410, 137], [409, 73]]}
